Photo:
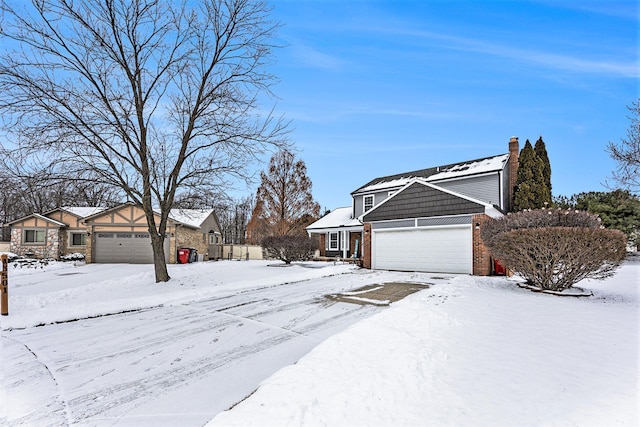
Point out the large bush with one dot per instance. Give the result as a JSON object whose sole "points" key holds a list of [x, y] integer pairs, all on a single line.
{"points": [[554, 249], [289, 248]]}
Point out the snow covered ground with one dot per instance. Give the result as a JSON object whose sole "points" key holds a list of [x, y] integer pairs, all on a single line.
{"points": [[466, 351]]}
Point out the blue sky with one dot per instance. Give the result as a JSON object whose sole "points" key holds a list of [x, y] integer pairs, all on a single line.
{"points": [[380, 87]]}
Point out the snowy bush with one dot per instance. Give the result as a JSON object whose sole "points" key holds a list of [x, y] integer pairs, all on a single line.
{"points": [[289, 248], [76, 256], [554, 249]]}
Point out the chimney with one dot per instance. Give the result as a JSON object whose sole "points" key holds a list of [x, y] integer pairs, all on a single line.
{"points": [[514, 152]]}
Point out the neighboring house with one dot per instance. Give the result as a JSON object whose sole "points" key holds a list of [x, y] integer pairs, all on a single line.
{"points": [[121, 235], [116, 235], [52, 234], [425, 220]]}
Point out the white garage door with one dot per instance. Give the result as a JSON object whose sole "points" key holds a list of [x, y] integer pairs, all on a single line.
{"points": [[437, 250], [131, 248]]}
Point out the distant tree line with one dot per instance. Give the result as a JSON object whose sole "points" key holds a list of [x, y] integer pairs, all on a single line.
{"points": [[618, 209]]}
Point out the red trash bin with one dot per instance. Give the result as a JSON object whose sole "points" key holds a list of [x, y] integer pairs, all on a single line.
{"points": [[183, 255], [498, 268]]}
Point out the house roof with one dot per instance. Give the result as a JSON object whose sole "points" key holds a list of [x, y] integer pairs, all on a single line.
{"points": [[438, 173], [80, 211], [190, 217], [340, 217], [36, 215]]}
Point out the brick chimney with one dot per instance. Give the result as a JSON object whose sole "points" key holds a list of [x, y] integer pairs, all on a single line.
{"points": [[514, 152]]}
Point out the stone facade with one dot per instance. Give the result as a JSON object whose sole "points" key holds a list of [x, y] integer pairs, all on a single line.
{"points": [[50, 249]]}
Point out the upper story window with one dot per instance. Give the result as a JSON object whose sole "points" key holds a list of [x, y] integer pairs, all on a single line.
{"points": [[78, 239], [368, 202], [33, 236]]}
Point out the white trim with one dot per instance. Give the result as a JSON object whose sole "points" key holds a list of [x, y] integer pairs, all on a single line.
{"points": [[337, 247]]}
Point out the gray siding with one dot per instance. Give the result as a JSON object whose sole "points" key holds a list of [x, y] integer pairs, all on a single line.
{"points": [[378, 197], [419, 201], [485, 188], [444, 220], [423, 222]]}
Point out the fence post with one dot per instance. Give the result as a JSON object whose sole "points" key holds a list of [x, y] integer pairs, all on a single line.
{"points": [[4, 286]]}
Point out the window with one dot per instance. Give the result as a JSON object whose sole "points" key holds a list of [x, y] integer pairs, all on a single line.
{"points": [[213, 239], [78, 239], [333, 241], [368, 202], [34, 236]]}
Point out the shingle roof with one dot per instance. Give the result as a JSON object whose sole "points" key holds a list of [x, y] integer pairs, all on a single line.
{"points": [[340, 217], [434, 174], [191, 217]]}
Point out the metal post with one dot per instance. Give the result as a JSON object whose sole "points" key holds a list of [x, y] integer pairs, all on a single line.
{"points": [[4, 286]]}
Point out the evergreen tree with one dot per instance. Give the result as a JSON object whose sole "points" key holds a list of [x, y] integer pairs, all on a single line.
{"points": [[530, 191], [617, 209], [541, 151]]}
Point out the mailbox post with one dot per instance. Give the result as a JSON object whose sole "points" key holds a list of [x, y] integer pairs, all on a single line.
{"points": [[4, 286]]}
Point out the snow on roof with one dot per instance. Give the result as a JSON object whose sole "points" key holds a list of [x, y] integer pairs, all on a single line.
{"points": [[472, 167], [489, 164], [83, 211], [340, 217], [191, 217]]}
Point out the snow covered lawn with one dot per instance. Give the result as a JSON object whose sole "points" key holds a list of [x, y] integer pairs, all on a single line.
{"points": [[474, 352], [465, 351]]}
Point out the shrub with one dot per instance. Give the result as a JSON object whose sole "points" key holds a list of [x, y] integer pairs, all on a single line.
{"points": [[289, 248], [554, 249]]}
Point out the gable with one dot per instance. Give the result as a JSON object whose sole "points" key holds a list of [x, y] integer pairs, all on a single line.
{"points": [[37, 221], [419, 201], [127, 214], [65, 217]]}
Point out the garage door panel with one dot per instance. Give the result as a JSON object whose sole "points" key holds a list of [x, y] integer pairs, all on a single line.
{"points": [[133, 248], [438, 250]]}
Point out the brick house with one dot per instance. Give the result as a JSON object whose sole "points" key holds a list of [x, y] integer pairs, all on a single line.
{"points": [[425, 220]]}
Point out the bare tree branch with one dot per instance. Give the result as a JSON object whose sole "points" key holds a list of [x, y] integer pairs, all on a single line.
{"points": [[148, 96]]}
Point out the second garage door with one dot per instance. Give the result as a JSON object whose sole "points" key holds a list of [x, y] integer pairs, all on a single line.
{"points": [[436, 250], [132, 248]]}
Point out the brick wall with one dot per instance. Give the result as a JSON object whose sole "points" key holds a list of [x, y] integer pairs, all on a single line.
{"points": [[366, 246], [323, 244], [189, 238], [481, 255], [514, 153]]}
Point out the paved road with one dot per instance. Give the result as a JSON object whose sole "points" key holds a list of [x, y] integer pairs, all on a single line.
{"points": [[170, 365]]}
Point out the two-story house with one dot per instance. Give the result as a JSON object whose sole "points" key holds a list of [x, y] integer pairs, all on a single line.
{"points": [[424, 220]]}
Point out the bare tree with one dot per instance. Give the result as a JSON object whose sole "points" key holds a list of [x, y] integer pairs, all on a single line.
{"points": [[627, 153], [148, 96], [284, 196], [234, 216]]}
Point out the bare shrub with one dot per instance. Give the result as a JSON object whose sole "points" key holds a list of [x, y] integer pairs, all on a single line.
{"points": [[554, 249], [289, 248], [538, 218]]}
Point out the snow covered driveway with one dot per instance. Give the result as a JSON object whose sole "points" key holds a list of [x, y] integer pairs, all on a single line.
{"points": [[178, 356]]}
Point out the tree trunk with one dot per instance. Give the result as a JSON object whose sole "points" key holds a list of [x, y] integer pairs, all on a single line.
{"points": [[159, 262]]}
